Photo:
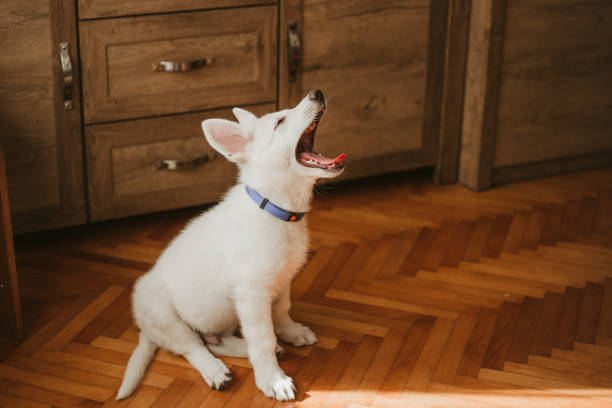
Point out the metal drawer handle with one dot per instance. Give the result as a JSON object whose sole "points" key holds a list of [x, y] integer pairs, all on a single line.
{"points": [[66, 63], [182, 66], [293, 53], [184, 164]]}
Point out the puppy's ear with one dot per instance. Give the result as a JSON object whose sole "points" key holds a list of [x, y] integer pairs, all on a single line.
{"points": [[228, 138], [245, 118]]}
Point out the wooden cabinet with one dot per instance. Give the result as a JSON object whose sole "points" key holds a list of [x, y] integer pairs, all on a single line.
{"points": [[382, 65], [224, 58], [488, 90], [538, 90], [373, 61], [41, 137]]}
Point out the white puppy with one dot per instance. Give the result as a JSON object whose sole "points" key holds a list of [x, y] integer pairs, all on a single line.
{"points": [[233, 265]]}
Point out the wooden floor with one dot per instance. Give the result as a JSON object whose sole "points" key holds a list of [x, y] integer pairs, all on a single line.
{"points": [[422, 296]]}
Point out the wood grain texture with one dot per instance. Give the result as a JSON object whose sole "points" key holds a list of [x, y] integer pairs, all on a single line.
{"points": [[347, 274], [478, 239], [378, 83], [534, 228], [477, 345], [28, 82], [586, 217], [439, 246], [89, 9], [497, 236], [453, 352], [550, 77], [605, 318], [569, 225], [436, 72], [543, 168], [331, 373], [10, 306], [289, 86], [387, 341], [451, 112], [394, 262], [344, 389], [122, 165], [42, 141], [430, 356], [418, 252], [118, 54], [375, 262], [34, 393], [500, 339], [408, 355], [324, 279], [552, 227], [379, 368], [589, 312], [482, 83], [545, 333], [569, 50], [604, 212], [526, 326], [566, 333], [460, 242], [516, 232]]}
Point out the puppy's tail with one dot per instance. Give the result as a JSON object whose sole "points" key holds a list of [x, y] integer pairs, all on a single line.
{"points": [[140, 359]]}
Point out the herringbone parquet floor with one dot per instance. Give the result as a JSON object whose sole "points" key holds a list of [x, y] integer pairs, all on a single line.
{"points": [[421, 295]]}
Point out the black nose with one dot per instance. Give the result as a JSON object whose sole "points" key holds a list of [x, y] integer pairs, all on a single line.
{"points": [[316, 95]]}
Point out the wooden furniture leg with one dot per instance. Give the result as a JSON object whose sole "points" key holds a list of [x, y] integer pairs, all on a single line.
{"points": [[10, 308]]}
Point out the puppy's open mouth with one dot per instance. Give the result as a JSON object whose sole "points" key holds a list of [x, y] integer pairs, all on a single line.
{"points": [[305, 154]]}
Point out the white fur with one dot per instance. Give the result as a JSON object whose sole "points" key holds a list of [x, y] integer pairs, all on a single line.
{"points": [[233, 265]]}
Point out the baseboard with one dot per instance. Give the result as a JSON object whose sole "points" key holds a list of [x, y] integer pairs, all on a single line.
{"points": [[507, 174]]}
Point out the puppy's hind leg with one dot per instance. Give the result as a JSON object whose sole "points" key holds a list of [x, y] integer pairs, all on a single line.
{"points": [[230, 346], [179, 338], [214, 372], [233, 346]]}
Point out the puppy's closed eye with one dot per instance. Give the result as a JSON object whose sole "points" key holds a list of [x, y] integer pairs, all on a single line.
{"points": [[279, 122]]}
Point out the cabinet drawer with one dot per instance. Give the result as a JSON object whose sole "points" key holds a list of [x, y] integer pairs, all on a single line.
{"points": [[122, 163], [118, 57], [114, 8]]}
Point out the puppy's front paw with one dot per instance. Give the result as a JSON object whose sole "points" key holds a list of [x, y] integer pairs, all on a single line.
{"points": [[298, 335], [281, 389], [218, 376]]}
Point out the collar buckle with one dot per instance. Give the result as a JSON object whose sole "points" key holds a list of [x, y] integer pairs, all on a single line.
{"points": [[294, 217]]}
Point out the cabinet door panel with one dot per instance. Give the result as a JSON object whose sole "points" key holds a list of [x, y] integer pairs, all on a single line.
{"points": [[370, 60], [42, 140]]}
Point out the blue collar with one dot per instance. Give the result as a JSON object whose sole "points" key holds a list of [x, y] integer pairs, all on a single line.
{"points": [[275, 210]]}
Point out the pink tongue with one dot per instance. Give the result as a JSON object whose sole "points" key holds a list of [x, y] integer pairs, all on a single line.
{"points": [[322, 159]]}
